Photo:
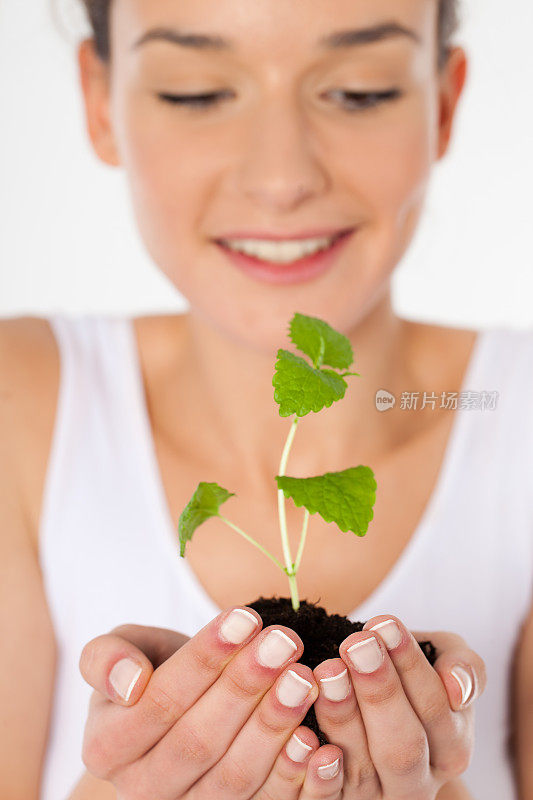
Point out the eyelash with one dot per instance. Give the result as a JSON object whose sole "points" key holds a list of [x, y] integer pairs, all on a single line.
{"points": [[194, 100], [368, 99]]}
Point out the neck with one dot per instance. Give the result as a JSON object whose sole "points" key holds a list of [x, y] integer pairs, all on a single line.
{"points": [[227, 390]]}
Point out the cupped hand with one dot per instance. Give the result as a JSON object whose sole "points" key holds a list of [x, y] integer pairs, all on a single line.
{"points": [[405, 728], [212, 716]]}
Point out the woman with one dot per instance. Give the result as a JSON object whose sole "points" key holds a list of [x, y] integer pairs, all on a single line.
{"points": [[295, 131]]}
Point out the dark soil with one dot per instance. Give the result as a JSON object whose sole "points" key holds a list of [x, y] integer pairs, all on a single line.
{"points": [[321, 633]]}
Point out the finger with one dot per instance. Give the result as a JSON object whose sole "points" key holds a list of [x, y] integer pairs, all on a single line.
{"points": [[454, 657], [396, 739], [110, 663], [339, 717], [158, 644], [287, 776], [325, 775], [203, 735], [450, 736], [113, 740], [246, 764]]}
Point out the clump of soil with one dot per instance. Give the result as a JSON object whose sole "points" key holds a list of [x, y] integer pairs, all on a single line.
{"points": [[321, 633]]}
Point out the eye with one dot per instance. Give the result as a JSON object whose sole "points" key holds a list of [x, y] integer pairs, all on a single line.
{"points": [[359, 101], [193, 100]]}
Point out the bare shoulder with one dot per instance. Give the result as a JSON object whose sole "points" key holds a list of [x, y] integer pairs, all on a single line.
{"points": [[27, 350], [29, 383]]}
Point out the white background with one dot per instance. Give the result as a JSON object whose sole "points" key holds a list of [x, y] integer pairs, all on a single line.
{"points": [[67, 236]]}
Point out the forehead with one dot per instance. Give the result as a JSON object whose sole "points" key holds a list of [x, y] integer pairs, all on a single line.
{"points": [[256, 27]]}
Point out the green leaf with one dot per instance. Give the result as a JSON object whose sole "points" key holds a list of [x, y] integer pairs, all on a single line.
{"points": [[346, 498], [320, 342], [204, 503], [300, 388]]}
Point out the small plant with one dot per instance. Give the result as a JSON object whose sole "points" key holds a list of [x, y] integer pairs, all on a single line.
{"points": [[345, 498]]}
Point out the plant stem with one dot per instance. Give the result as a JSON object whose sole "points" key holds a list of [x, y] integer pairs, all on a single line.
{"points": [[294, 591], [291, 573], [302, 542], [249, 538]]}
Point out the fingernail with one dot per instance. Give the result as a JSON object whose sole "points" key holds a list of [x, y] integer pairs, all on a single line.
{"points": [[329, 771], [389, 632], [336, 688], [296, 749], [275, 649], [238, 626], [366, 656], [124, 676], [464, 679], [292, 689]]}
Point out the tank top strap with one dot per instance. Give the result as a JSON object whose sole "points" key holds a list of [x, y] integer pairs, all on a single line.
{"points": [[96, 413]]}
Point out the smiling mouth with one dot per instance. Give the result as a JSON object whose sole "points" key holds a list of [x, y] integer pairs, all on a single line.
{"points": [[280, 253]]}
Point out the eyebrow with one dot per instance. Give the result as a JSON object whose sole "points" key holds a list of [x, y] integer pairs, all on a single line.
{"points": [[361, 36], [340, 39]]}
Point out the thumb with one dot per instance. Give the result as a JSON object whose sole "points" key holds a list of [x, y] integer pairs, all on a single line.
{"points": [[460, 668], [119, 664]]}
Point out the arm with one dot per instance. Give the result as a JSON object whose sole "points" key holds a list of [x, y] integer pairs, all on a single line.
{"points": [[27, 644], [522, 711]]}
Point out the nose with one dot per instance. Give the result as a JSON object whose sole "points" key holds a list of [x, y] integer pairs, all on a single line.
{"points": [[279, 166]]}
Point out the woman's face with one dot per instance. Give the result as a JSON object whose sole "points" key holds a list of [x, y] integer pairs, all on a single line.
{"points": [[284, 149]]}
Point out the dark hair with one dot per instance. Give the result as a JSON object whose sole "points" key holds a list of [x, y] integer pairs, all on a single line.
{"points": [[98, 13]]}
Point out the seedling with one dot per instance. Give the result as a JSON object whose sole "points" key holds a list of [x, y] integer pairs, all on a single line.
{"points": [[346, 498]]}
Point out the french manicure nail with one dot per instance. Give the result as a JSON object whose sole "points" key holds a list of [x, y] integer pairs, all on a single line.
{"points": [[297, 750], [389, 632], [237, 627], [292, 689], [124, 676], [275, 649], [336, 688], [463, 678], [329, 771], [366, 655]]}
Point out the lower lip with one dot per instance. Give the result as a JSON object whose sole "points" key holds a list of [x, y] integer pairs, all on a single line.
{"points": [[304, 269]]}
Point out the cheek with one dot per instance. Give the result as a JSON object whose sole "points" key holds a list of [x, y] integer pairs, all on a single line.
{"points": [[168, 167], [390, 161]]}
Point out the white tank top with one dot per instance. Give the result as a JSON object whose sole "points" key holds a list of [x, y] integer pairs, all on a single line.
{"points": [[109, 553]]}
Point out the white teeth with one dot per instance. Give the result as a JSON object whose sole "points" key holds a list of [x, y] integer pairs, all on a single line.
{"points": [[279, 252]]}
